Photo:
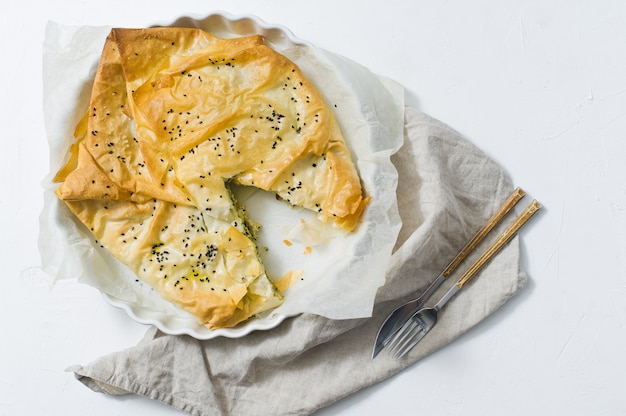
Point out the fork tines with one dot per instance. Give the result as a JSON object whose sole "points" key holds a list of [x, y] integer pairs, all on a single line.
{"points": [[407, 337]]}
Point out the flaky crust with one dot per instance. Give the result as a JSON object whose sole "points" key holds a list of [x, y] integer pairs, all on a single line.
{"points": [[174, 114]]}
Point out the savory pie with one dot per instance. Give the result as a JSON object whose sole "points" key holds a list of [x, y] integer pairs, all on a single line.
{"points": [[175, 115]]}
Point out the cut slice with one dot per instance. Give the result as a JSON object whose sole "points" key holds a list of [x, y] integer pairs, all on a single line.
{"points": [[174, 115]]}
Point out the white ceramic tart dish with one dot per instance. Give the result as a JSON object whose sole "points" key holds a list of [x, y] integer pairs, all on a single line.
{"points": [[318, 259]]}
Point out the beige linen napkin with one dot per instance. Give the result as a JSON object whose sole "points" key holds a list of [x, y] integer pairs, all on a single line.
{"points": [[447, 189]]}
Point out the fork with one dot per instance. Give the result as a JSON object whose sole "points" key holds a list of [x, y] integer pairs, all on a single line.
{"points": [[402, 314], [424, 320]]}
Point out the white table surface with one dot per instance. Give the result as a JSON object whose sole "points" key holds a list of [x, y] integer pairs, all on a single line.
{"points": [[539, 85]]}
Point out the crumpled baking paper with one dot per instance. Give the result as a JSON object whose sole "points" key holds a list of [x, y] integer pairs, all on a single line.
{"points": [[341, 274]]}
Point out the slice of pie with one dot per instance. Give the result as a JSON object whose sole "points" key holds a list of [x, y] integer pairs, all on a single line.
{"points": [[176, 115]]}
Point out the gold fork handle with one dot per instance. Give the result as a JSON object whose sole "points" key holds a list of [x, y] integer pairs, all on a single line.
{"points": [[500, 242], [480, 235]]}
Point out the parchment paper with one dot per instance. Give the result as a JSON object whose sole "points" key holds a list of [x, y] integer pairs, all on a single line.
{"points": [[342, 272]]}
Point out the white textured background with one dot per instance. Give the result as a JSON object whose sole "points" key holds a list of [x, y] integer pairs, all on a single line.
{"points": [[540, 86]]}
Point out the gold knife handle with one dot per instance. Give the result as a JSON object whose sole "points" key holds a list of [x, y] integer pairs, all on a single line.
{"points": [[482, 233], [500, 242]]}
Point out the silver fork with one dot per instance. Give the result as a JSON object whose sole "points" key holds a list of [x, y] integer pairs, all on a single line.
{"points": [[400, 315], [423, 321]]}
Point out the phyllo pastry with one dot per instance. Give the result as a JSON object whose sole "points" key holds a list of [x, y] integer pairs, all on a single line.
{"points": [[175, 116]]}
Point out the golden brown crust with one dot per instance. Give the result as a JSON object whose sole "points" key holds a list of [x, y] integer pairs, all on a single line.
{"points": [[175, 113]]}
